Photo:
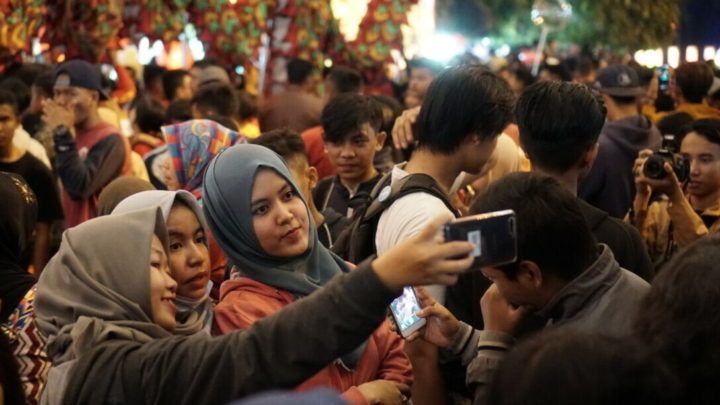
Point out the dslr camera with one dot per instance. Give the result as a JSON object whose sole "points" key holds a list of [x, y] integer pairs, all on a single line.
{"points": [[653, 168]]}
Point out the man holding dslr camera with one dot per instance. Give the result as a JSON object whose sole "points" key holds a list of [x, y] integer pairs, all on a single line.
{"points": [[689, 203]]}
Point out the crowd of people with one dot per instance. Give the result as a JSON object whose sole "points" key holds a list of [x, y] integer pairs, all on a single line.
{"points": [[174, 238]]}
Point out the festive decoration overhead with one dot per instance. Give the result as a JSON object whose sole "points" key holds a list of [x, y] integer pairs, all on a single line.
{"points": [[20, 20], [156, 19], [380, 31]]}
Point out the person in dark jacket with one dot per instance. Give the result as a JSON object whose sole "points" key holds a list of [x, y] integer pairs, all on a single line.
{"points": [[610, 184], [106, 305]]}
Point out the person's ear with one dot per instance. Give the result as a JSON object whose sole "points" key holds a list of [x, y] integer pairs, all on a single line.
{"points": [[380, 137], [312, 176], [530, 274]]}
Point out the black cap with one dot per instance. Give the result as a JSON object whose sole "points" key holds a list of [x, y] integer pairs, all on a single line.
{"points": [[619, 80], [82, 74]]}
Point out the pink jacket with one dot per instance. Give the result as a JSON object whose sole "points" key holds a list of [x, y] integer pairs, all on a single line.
{"points": [[244, 301]]}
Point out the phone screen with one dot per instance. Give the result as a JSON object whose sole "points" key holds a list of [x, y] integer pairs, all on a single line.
{"points": [[404, 310], [492, 234], [664, 77]]}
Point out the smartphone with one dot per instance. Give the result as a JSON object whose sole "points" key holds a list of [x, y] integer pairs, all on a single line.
{"points": [[404, 311], [493, 234], [664, 78]]}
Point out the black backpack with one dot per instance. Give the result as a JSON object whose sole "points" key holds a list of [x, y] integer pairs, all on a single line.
{"points": [[357, 242]]}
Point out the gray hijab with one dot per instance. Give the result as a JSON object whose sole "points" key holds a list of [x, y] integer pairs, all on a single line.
{"points": [[227, 193], [97, 287], [192, 315]]}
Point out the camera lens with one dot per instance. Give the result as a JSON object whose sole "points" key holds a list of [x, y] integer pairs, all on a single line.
{"points": [[653, 168]]}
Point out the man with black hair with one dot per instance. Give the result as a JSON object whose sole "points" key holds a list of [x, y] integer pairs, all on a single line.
{"points": [[14, 159], [215, 99], [149, 118], [422, 73], [561, 275], [352, 136], [153, 82], [290, 147], [684, 212], [463, 113], [177, 85], [340, 80], [297, 107], [610, 185], [692, 81]]}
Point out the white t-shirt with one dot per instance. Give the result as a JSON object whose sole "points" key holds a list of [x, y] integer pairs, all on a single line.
{"points": [[24, 141], [404, 218]]}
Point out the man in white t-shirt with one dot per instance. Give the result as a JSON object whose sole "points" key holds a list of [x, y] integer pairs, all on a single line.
{"points": [[463, 113]]}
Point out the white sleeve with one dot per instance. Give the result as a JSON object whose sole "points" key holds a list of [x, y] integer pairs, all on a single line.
{"points": [[403, 219]]}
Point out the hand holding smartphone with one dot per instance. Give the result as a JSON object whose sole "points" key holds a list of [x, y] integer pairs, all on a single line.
{"points": [[404, 311], [493, 234]]}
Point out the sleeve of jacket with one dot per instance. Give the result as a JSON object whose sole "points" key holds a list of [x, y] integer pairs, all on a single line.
{"points": [[83, 178], [279, 351], [394, 363], [492, 347], [687, 224]]}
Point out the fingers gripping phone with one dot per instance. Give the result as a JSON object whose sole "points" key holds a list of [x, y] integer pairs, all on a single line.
{"points": [[404, 311], [493, 234]]}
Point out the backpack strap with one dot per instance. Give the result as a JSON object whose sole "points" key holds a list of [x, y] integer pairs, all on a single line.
{"points": [[384, 194]]}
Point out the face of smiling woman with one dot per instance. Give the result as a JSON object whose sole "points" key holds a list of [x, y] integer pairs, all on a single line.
{"points": [[279, 215], [162, 287]]}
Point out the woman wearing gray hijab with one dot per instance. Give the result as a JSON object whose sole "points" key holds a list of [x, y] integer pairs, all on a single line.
{"points": [[188, 255], [107, 310], [271, 238]]}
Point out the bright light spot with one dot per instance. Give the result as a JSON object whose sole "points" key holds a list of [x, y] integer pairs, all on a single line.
{"points": [[442, 48], [486, 41], [349, 13], [36, 47], [175, 58], [145, 55], [673, 56], [61, 58], [328, 63], [709, 53], [233, 1], [649, 57], [503, 51], [717, 59], [398, 59], [197, 49], [691, 54], [240, 70], [481, 51]]}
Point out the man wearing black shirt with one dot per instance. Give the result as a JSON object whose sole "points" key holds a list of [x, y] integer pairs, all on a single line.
{"points": [[37, 175]]}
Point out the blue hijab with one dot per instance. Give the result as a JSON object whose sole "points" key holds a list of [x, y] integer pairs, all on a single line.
{"points": [[227, 195]]}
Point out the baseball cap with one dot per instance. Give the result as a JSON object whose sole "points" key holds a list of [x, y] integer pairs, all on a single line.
{"points": [[619, 80], [213, 74], [82, 74]]}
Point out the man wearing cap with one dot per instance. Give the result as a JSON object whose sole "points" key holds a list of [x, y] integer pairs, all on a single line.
{"points": [[89, 153], [610, 185]]}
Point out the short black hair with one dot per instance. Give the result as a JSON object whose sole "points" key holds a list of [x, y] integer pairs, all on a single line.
{"points": [[551, 229], [20, 90], [247, 105], [677, 124], [298, 71], [283, 141], [558, 122], [524, 76], [625, 100], [391, 109], [45, 83], [560, 70], [216, 99], [152, 73], [679, 320], [225, 121], [463, 101], [149, 115], [347, 113], [178, 111], [564, 367], [694, 80], [708, 128], [345, 80], [207, 62], [172, 80], [8, 98]]}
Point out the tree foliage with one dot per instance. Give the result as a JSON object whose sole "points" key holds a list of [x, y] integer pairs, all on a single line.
{"points": [[618, 24]]}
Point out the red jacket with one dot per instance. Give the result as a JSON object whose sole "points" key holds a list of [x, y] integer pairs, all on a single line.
{"points": [[244, 301]]}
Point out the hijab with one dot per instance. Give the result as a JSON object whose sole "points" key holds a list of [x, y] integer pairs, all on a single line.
{"points": [[227, 202], [97, 287], [192, 145], [192, 315], [18, 213], [118, 190]]}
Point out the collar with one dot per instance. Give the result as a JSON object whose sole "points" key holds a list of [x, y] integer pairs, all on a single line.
{"points": [[366, 186], [573, 298]]}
